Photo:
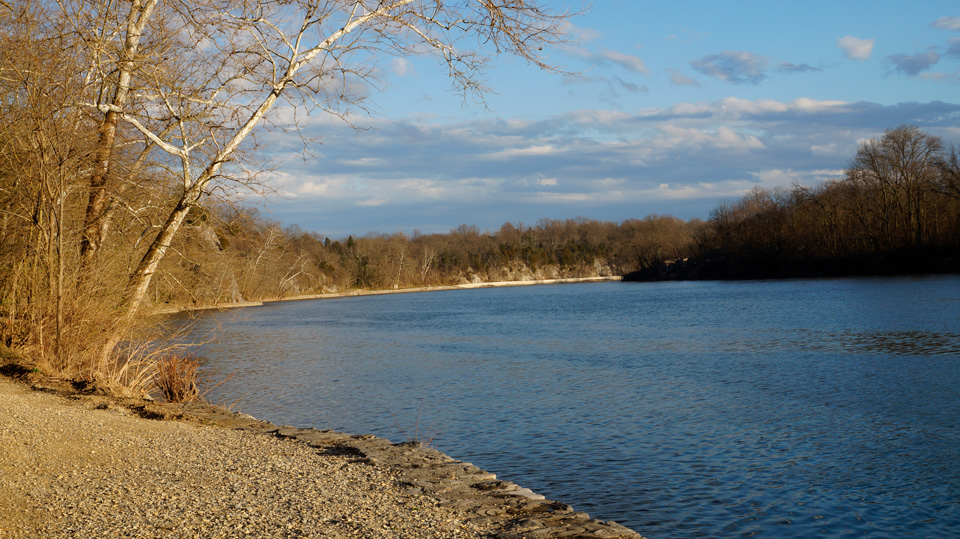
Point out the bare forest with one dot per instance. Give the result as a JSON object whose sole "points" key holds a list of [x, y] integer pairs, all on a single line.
{"points": [[128, 129]]}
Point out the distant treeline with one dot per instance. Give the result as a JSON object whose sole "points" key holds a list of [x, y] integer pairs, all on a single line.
{"points": [[897, 210], [232, 255]]}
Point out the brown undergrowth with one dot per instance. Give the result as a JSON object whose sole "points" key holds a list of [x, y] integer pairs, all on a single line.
{"points": [[152, 363], [176, 378]]}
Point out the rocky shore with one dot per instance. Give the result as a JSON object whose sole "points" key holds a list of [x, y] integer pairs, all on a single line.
{"points": [[83, 465]]}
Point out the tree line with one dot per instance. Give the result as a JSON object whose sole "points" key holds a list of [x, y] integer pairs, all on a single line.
{"points": [[233, 254], [895, 211]]}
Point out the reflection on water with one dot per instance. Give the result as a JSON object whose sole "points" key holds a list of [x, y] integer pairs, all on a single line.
{"points": [[782, 409]]}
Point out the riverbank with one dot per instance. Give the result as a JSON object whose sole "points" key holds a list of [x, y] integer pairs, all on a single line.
{"points": [[86, 465], [362, 292]]}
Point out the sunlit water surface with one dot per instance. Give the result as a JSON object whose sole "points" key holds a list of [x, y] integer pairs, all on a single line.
{"points": [[708, 409]]}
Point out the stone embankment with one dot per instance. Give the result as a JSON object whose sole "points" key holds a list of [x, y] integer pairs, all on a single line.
{"points": [[80, 465]]}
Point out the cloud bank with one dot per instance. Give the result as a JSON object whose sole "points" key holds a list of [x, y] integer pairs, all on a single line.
{"points": [[682, 160]]}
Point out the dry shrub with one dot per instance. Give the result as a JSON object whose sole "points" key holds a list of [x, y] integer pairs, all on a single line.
{"points": [[177, 378], [136, 362]]}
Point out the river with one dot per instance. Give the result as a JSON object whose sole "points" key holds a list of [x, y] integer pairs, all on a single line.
{"points": [[682, 409]]}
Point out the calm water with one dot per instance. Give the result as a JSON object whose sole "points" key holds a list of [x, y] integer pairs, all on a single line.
{"points": [[769, 409]]}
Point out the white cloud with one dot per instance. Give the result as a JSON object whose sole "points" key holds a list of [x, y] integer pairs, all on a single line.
{"points": [[746, 106], [824, 149], [680, 79], [567, 198], [402, 67], [805, 104], [367, 190], [722, 137], [941, 77], [730, 108], [947, 23], [372, 202], [627, 61], [856, 48], [365, 162], [581, 34], [730, 139], [532, 151], [631, 63], [422, 188], [688, 109], [666, 191], [599, 117], [319, 187]]}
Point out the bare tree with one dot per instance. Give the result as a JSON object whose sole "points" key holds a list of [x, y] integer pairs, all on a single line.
{"points": [[901, 170], [948, 182], [43, 151], [190, 82]]}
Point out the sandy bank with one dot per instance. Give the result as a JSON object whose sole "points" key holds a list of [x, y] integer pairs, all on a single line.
{"points": [[89, 466], [361, 292]]}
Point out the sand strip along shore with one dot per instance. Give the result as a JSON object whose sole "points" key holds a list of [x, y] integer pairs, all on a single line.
{"points": [[89, 466], [361, 292]]}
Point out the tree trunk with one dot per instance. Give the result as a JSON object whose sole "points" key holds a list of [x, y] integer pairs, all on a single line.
{"points": [[96, 222], [97, 198]]}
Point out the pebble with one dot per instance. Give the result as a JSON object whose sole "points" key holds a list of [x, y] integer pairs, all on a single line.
{"points": [[91, 467]]}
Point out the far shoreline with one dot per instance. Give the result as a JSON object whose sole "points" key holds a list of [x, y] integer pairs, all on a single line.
{"points": [[362, 292]]}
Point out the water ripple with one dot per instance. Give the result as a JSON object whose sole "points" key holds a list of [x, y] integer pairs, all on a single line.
{"points": [[783, 409]]}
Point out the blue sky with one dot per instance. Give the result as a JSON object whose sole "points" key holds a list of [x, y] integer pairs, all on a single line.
{"points": [[676, 106]]}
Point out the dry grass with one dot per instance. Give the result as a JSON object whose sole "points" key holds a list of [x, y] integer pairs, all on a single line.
{"points": [[177, 377], [420, 437], [80, 336]]}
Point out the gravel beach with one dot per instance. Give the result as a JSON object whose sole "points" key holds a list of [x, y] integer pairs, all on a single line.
{"points": [[69, 471], [87, 467]]}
